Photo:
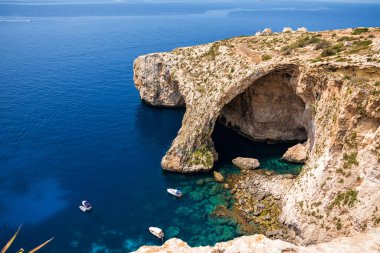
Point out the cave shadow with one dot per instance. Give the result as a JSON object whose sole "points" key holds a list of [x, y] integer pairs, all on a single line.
{"points": [[267, 111]]}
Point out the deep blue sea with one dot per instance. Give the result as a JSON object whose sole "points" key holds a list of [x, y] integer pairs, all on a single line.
{"points": [[72, 126]]}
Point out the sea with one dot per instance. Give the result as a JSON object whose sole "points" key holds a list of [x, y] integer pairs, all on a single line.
{"points": [[72, 125]]}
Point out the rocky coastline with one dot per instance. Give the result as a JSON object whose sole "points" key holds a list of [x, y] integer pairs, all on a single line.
{"points": [[321, 89]]}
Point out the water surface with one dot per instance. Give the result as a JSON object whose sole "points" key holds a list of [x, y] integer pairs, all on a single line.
{"points": [[72, 126]]}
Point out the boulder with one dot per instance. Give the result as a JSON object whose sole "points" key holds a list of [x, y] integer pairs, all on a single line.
{"points": [[218, 177], [267, 31], [287, 30], [296, 154], [347, 43], [246, 163], [302, 29]]}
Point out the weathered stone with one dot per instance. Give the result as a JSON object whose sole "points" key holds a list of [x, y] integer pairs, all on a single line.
{"points": [[302, 29], [218, 177], [259, 243], [287, 30], [267, 31], [257, 210], [296, 154], [246, 163], [332, 102], [267, 217]]}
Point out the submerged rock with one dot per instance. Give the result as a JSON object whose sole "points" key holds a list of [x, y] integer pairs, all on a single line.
{"points": [[195, 195], [296, 154], [218, 177], [245, 163], [172, 231]]}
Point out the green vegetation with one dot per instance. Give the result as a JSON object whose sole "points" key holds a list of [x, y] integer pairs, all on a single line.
{"points": [[322, 45], [332, 50], [350, 160], [338, 224], [377, 84], [318, 59], [347, 198], [301, 42], [202, 156], [213, 51], [266, 57], [358, 31], [345, 38], [360, 45]]}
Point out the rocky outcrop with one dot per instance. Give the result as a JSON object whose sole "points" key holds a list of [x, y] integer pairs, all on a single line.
{"points": [[218, 177], [296, 154], [295, 86], [362, 242], [257, 202], [245, 163]]}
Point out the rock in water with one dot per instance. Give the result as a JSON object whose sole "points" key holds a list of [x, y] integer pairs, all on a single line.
{"points": [[296, 154], [246, 163], [218, 177]]}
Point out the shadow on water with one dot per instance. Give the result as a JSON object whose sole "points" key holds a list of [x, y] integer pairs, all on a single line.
{"points": [[229, 145]]}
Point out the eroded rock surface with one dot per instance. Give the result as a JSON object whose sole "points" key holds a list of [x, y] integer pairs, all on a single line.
{"points": [[362, 242], [284, 87], [245, 163], [296, 154]]}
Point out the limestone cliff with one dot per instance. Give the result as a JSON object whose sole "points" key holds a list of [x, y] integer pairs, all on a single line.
{"points": [[322, 88], [364, 242]]}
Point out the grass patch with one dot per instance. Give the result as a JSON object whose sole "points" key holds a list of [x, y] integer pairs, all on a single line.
{"points": [[202, 156], [322, 45], [266, 57], [213, 51], [360, 46], [358, 31], [350, 160], [346, 198], [332, 50], [302, 42]]}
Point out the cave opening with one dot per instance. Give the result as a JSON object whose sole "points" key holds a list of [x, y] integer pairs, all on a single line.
{"points": [[263, 121]]}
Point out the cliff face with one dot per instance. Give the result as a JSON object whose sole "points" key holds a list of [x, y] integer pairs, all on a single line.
{"points": [[322, 88], [363, 242]]}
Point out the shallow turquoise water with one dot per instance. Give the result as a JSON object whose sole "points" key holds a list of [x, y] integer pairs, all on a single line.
{"points": [[72, 126]]}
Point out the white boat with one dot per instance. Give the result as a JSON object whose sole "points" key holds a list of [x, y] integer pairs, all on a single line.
{"points": [[175, 192], [86, 206], [157, 232]]}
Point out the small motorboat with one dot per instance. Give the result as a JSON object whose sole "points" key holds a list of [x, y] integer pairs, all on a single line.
{"points": [[175, 192], [157, 232], [86, 206]]}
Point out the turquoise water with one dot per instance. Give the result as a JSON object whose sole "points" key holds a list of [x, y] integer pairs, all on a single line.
{"points": [[72, 126]]}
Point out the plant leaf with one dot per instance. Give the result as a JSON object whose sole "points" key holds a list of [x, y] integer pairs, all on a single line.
{"points": [[40, 246], [9, 243]]}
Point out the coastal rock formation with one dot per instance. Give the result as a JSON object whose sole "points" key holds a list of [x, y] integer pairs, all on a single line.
{"points": [[298, 86], [296, 154], [244, 163], [218, 177], [363, 242]]}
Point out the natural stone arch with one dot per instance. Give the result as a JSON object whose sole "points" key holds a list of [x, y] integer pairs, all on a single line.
{"points": [[269, 109], [193, 148]]}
